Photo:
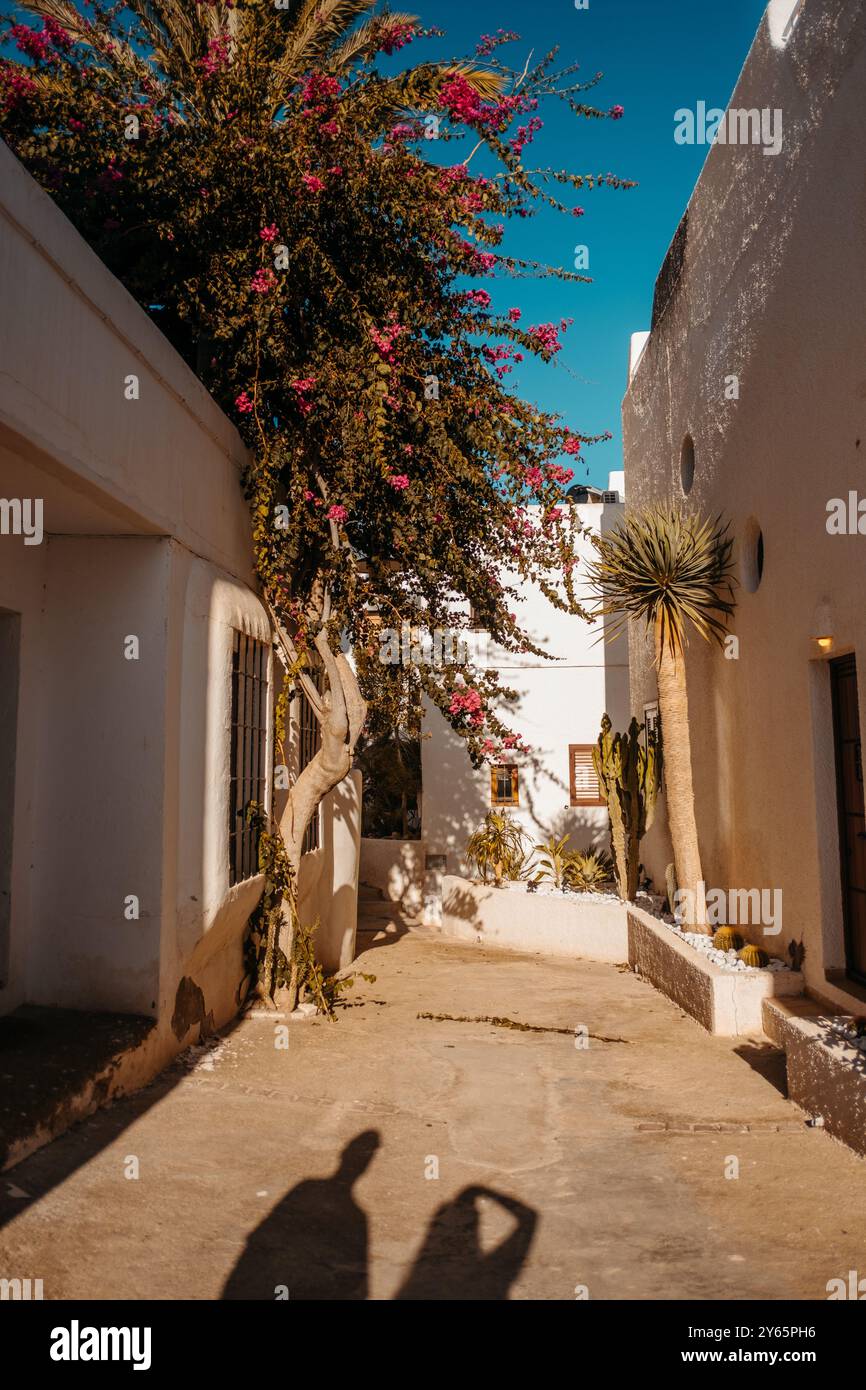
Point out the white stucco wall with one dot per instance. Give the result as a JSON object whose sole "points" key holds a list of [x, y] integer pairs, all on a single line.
{"points": [[121, 767], [772, 290], [396, 868], [560, 702]]}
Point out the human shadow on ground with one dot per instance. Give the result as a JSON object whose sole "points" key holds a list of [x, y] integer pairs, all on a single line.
{"points": [[314, 1244], [452, 1264]]}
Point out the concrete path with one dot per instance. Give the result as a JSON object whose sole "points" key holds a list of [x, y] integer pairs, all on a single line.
{"points": [[390, 1155]]}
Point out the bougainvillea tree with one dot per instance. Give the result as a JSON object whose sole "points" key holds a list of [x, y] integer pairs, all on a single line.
{"points": [[288, 214]]}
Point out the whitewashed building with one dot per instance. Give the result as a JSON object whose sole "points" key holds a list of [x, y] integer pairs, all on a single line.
{"points": [[748, 399], [558, 715], [136, 667]]}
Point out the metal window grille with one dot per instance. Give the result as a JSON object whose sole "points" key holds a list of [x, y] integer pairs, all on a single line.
{"points": [[309, 743], [249, 735]]}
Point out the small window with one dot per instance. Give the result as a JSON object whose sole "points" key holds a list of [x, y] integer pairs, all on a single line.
{"points": [[248, 760], [687, 464], [583, 781], [504, 786], [752, 564]]}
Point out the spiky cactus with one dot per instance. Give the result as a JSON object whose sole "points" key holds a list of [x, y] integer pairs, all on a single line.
{"points": [[629, 774], [728, 939], [755, 956]]}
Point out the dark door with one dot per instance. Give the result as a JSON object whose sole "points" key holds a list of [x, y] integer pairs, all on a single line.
{"points": [[852, 814]]}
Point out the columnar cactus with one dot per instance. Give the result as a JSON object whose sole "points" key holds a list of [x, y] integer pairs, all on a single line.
{"points": [[629, 774]]}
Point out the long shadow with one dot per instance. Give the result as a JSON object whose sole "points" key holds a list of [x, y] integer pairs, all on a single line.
{"points": [[314, 1244], [452, 1264]]}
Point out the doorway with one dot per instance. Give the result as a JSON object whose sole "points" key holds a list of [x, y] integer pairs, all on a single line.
{"points": [[852, 812], [9, 647]]}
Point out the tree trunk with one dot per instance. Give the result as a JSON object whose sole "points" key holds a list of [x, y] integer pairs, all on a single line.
{"points": [[341, 716], [674, 710]]}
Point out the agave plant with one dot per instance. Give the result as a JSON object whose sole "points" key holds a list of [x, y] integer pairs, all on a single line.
{"points": [[589, 871], [669, 569], [497, 845], [552, 860]]}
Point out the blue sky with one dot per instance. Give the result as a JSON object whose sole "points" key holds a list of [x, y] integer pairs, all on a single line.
{"points": [[657, 55]]}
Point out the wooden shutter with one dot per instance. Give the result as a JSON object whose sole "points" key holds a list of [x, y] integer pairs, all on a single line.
{"points": [[583, 781]]}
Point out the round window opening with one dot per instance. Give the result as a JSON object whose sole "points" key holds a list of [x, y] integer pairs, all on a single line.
{"points": [[687, 464], [753, 556]]}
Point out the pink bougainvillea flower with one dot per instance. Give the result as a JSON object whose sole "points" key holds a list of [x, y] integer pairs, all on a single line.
{"points": [[399, 481], [243, 403], [337, 513], [217, 56], [312, 183], [395, 35], [263, 281], [269, 233], [616, 112], [319, 88], [514, 315]]}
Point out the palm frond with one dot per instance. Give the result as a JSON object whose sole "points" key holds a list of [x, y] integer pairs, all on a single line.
{"points": [[364, 41], [318, 26], [61, 10], [171, 27], [419, 88]]}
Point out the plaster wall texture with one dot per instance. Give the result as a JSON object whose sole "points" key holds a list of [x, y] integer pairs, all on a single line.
{"points": [[397, 868], [771, 291]]}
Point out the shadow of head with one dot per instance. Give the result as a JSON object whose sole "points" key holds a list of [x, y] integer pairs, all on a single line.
{"points": [[357, 1156]]}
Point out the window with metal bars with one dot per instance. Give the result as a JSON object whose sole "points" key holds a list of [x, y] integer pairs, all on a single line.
{"points": [[504, 786], [248, 762], [309, 743]]}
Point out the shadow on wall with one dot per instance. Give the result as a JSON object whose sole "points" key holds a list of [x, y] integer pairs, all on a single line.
{"points": [[315, 1243]]}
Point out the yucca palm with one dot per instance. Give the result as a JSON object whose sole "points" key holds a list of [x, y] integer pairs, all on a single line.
{"points": [[497, 845], [272, 49], [670, 569]]}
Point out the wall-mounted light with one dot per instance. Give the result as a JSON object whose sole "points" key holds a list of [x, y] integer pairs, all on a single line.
{"points": [[822, 626]]}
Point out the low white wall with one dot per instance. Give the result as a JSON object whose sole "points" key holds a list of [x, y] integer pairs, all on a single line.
{"points": [[588, 927], [722, 1001], [824, 1066], [397, 868]]}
